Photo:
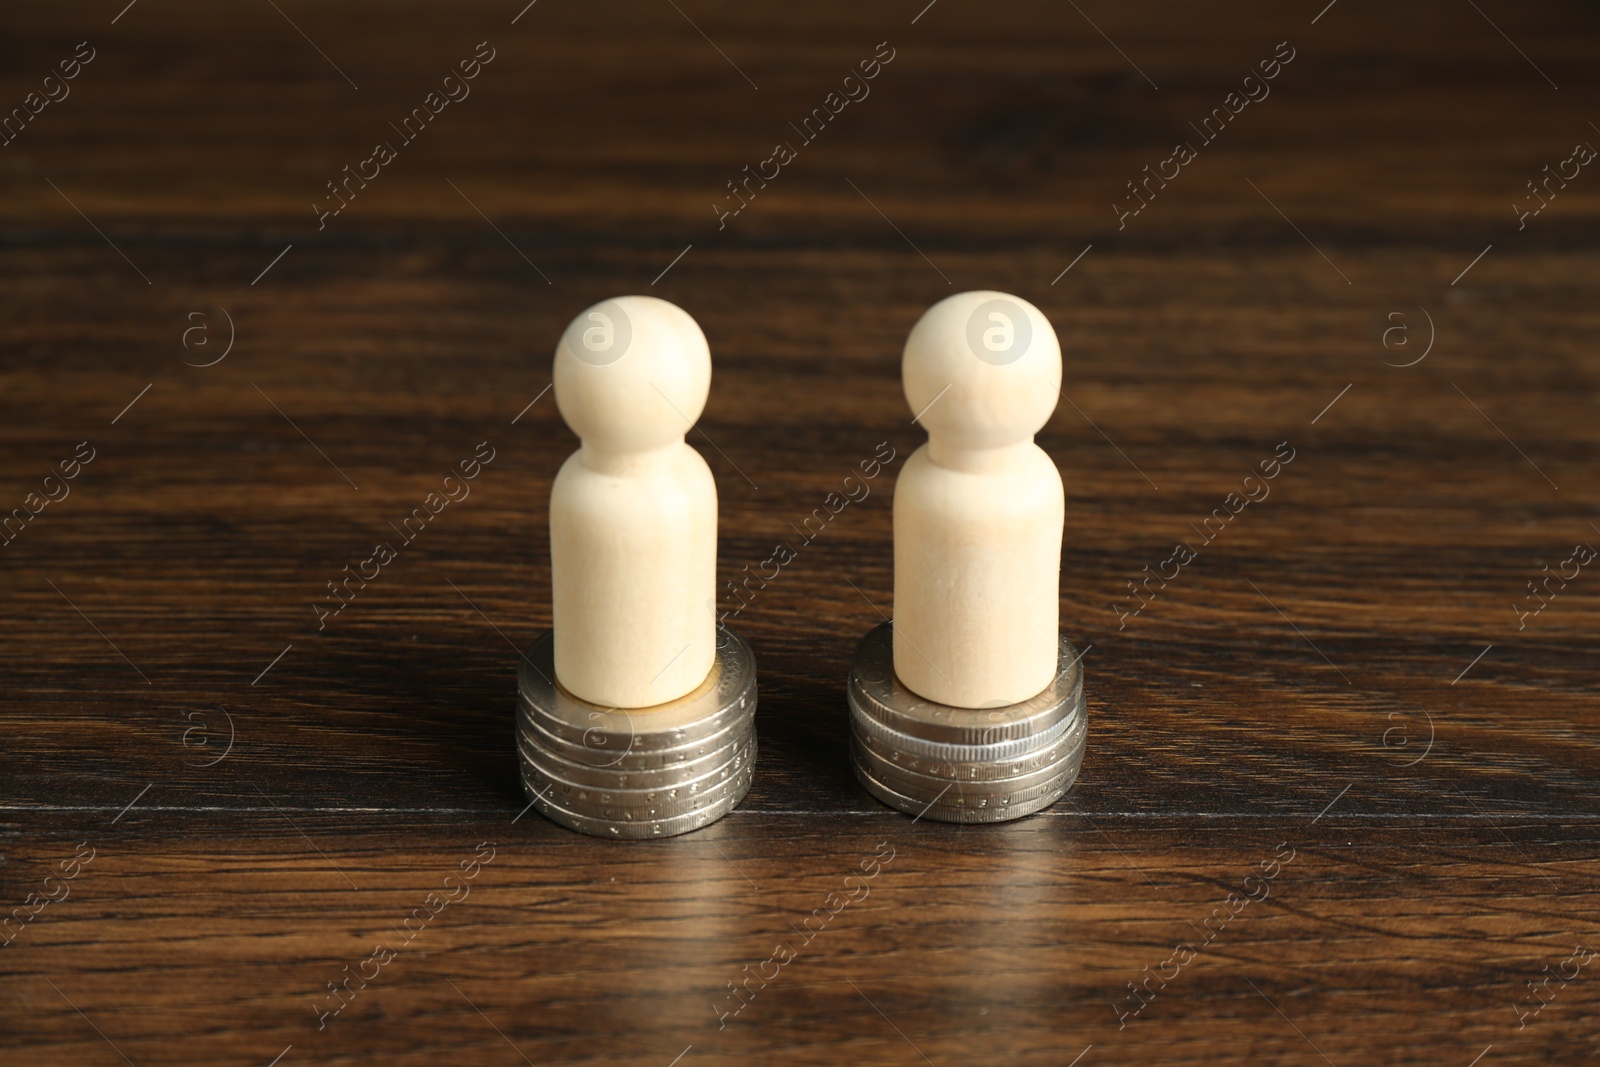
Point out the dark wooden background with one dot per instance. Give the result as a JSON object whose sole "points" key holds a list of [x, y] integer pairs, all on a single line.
{"points": [[1341, 671]]}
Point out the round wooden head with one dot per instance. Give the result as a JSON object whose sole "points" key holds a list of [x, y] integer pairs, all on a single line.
{"points": [[982, 370], [632, 374]]}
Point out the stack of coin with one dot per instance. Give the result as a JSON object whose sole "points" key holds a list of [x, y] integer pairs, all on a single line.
{"points": [[963, 765], [640, 772]]}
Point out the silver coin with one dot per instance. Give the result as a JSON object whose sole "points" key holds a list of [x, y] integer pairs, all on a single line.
{"points": [[726, 696], [918, 784], [605, 802], [595, 754], [935, 737], [1008, 749], [661, 801], [879, 692], [979, 771], [960, 770], [626, 776], [671, 763], [952, 806], [553, 795], [638, 828], [951, 792], [616, 730]]}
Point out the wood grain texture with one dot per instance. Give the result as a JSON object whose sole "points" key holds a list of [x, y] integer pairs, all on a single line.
{"points": [[1311, 681]]}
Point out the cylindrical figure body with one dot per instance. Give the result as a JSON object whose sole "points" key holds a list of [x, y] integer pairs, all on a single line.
{"points": [[633, 513], [979, 509], [977, 561]]}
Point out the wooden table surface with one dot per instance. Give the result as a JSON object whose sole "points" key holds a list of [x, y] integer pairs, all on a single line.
{"points": [[1339, 799]]}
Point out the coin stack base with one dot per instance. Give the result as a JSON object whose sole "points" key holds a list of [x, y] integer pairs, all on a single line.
{"points": [[963, 765], [639, 772]]}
